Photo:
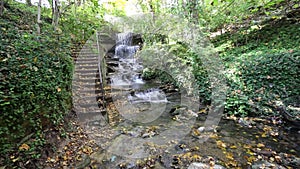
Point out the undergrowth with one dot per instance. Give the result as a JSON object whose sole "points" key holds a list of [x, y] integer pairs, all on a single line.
{"points": [[262, 67], [36, 76]]}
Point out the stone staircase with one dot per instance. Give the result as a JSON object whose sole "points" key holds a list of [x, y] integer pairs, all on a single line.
{"points": [[87, 88], [92, 97]]}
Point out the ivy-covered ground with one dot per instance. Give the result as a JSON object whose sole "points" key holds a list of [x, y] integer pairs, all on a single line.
{"points": [[262, 66]]}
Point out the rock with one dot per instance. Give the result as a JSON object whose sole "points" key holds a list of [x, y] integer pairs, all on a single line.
{"points": [[244, 123], [204, 166], [201, 129], [131, 165], [290, 161], [266, 164], [85, 162], [158, 166]]}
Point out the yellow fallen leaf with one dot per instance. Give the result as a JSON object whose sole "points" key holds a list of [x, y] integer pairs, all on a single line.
{"points": [[250, 159], [213, 136], [187, 155], [24, 147], [260, 145], [247, 146], [229, 155], [195, 148], [250, 152], [221, 144], [263, 135], [278, 159], [202, 111], [196, 157], [233, 147]]}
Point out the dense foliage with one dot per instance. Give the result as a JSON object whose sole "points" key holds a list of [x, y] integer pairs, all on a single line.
{"points": [[36, 73], [262, 67]]}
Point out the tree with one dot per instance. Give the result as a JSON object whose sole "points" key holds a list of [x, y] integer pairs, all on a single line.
{"points": [[55, 13], [39, 17], [1, 7]]}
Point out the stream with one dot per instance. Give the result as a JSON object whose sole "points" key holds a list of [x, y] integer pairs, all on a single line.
{"points": [[154, 129]]}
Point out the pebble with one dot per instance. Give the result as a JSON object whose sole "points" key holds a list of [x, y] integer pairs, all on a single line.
{"points": [[204, 166]]}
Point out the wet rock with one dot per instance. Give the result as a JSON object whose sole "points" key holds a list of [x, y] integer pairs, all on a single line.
{"points": [[85, 162], [201, 129], [244, 122], [158, 166], [204, 166], [149, 134], [101, 157], [177, 110], [290, 161], [266, 164], [131, 165]]}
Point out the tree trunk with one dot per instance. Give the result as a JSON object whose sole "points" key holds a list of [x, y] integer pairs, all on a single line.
{"points": [[39, 17], [28, 2], [55, 13], [1, 7]]}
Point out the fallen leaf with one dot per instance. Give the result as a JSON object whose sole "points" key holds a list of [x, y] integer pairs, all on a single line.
{"points": [[233, 147], [196, 157], [221, 144], [264, 135], [24, 147], [260, 145], [250, 159], [278, 159], [229, 155], [247, 146]]}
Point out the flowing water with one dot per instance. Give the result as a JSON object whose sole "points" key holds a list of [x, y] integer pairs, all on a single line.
{"points": [[153, 125]]}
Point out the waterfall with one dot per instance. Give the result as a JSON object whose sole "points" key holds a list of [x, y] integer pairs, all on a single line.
{"points": [[128, 71], [124, 38]]}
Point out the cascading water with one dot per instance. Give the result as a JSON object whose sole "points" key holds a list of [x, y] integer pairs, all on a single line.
{"points": [[140, 103], [127, 72]]}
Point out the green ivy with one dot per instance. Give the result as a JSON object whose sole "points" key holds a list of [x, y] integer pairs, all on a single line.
{"points": [[36, 73]]}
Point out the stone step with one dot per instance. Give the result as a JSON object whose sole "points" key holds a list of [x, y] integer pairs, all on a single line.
{"points": [[82, 71], [90, 91], [88, 107], [89, 95], [90, 117], [85, 60], [86, 75], [88, 62], [78, 86], [86, 85], [86, 79], [87, 56], [80, 66]]}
